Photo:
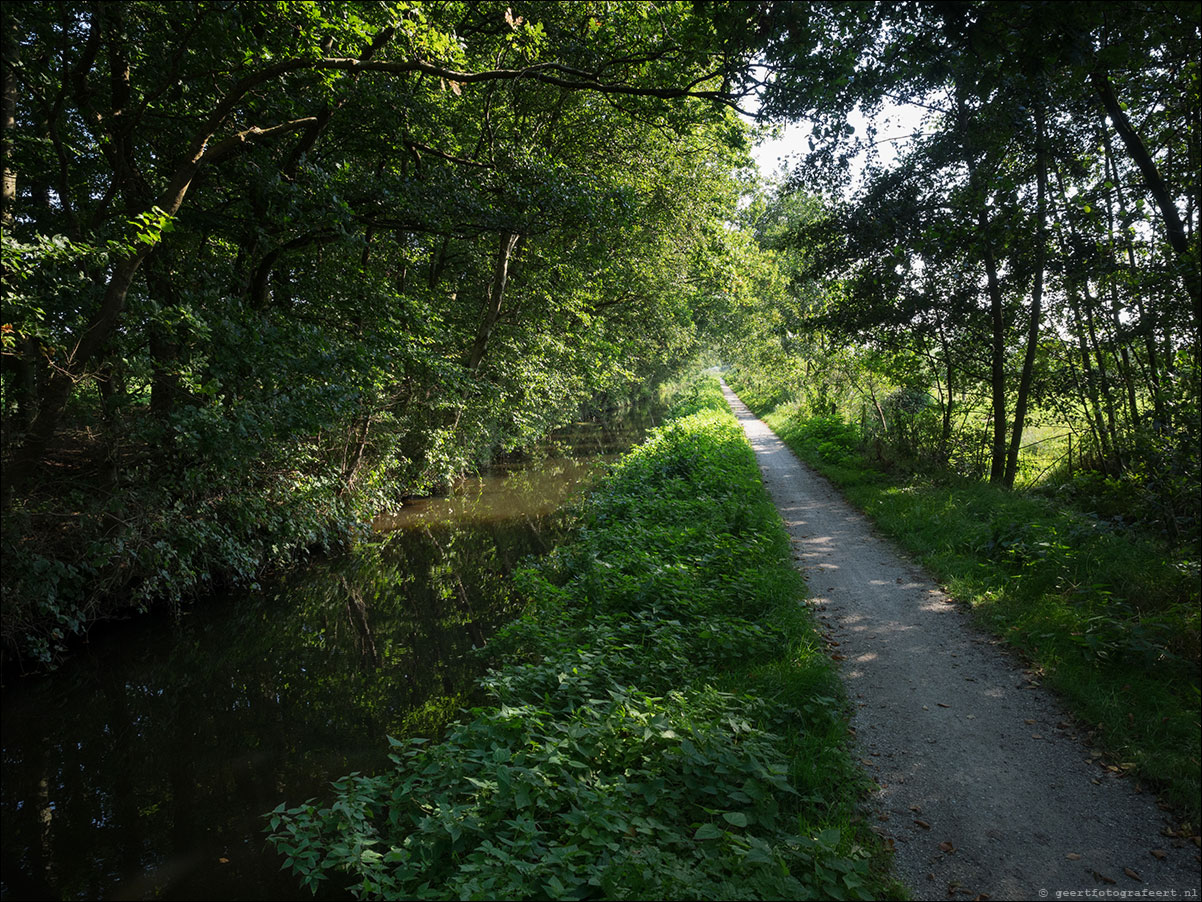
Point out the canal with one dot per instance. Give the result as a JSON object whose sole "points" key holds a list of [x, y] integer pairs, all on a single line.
{"points": [[143, 767]]}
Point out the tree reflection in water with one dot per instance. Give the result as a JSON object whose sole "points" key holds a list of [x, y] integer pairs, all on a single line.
{"points": [[143, 768]]}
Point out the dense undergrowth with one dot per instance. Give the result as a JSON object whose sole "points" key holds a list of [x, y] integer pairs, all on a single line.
{"points": [[662, 721], [1107, 612], [108, 532]]}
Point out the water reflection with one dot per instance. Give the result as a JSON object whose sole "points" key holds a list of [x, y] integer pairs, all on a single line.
{"points": [[143, 767], [514, 492]]}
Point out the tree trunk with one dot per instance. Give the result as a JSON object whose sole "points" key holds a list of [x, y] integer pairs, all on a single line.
{"points": [[1107, 394], [1156, 185], [356, 446], [997, 378], [496, 296], [60, 382], [1093, 410], [1147, 323], [8, 120], [1041, 253], [945, 435], [164, 346], [1124, 365]]}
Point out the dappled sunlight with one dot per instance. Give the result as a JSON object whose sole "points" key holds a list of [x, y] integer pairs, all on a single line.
{"points": [[937, 605]]}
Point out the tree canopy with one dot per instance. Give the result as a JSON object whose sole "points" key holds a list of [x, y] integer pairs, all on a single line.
{"points": [[264, 260], [270, 267], [1035, 244]]}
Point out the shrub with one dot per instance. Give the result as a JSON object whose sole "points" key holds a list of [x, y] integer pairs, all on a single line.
{"points": [[653, 713]]}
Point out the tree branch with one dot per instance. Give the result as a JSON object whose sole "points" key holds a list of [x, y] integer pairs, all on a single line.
{"points": [[227, 147]]}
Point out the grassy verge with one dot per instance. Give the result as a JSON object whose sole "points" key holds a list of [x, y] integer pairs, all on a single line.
{"points": [[1106, 615], [663, 722]]}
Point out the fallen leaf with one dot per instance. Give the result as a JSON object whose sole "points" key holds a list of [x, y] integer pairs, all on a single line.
{"points": [[923, 824], [1028, 721], [838, 657], [1036, 736], [942, 705], [1103, 878], [1159, 854], [224, 860], [947, 846], [916, 809], [1132, 874], [1073, 856]]}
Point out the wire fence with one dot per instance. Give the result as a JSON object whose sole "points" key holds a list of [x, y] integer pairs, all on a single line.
{"points": [[1065, 457]]}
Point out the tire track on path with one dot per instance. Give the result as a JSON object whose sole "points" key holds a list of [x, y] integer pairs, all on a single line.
{"points": [[985, 787]]}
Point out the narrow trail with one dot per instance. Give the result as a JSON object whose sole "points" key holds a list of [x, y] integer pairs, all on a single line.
{"points": [[985, 788]]}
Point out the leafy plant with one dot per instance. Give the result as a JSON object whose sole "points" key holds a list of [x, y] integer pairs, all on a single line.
{"points": [[653, 714]]}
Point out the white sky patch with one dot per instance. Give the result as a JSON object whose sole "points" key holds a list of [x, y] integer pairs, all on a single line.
{"points": [[895, 123]]}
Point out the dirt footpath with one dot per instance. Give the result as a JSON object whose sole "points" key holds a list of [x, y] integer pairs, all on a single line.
{"points": [[985, 786]]}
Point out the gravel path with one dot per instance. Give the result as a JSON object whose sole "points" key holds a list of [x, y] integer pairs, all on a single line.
{"points": [[985, 788]]}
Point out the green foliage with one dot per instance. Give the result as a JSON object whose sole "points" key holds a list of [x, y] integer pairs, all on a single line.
{"points": [[830, 438], [1023, 251], [151, 547], [1105, 608], [663, 721], [307, 327]]}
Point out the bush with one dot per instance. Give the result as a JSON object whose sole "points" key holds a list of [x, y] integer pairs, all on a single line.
{"points": [[655, 715]]}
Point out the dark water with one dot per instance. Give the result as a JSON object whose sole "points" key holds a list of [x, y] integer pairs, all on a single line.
{"points": [[142, 768]]}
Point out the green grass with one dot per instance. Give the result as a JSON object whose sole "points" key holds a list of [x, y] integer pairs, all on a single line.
{"points": [[1107, 615], [663, 719]]}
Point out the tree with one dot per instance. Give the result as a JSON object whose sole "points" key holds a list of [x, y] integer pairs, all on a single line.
{"points": [[274, 266], [1014, 99], [172, 114]]}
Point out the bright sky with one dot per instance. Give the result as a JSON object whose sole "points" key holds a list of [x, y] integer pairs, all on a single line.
{"points": [[893, 121]]}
